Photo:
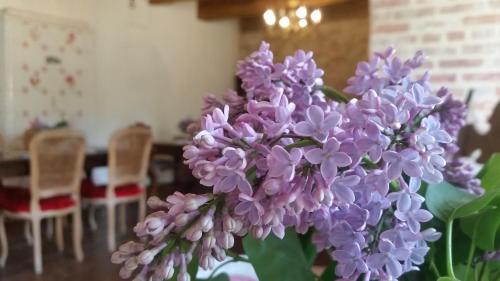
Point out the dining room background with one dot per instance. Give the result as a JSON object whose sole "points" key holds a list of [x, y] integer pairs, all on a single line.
{"points": [[135, 47], [141, 58], [134, 75]]}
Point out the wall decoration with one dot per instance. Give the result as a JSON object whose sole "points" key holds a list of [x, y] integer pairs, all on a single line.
{"points": [[44, 73]]}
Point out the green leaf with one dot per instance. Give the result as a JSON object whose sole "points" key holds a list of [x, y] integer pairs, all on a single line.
{"points": [[477, 204], [329, 273], [333, 94], [443, 199], [447, 279], [192, 268], [490, 175], [308, 247], [488, 228], [275, 259]]}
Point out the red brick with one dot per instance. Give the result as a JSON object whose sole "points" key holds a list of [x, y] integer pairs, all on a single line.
{"points": [[428, 38], [485, 48], [472, 49], [391, 28], [461, 63], [455, 35], [455, 8], [491, 76], [443, 78], [484, 33], [428, 64], [389, 3], [482, 19], [407, 39]]}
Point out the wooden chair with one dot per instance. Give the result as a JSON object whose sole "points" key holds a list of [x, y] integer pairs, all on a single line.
{"points": [[56, 163], [128, 157]]}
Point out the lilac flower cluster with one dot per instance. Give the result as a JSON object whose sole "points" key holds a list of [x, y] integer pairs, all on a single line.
{"points": [[287, 155]]}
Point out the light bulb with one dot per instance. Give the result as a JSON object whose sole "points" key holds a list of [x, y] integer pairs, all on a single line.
{"points": [[316, 16], [302, 23], [269, 17], [301, 12], [284, 22]]}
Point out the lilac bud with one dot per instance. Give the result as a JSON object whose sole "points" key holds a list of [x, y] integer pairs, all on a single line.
{"points": [[192, 203], [257, 231], [220, 254], [182, 219], [166, 271], [209, 242], [228, 223], [205, 139], [119, 257], [431, 235], [132, 263], [155, 203], [206, 223], [328, 198], [125, 273], [183, 276], [207, 262], [140, 277], [147, 256], [193, 233], [318, 194], [225, 240], [154, 225], [131, 247], [238, 227]]}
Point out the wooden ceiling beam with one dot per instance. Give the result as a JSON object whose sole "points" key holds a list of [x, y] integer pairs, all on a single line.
{"points": [[164, 1], [224, 9]]}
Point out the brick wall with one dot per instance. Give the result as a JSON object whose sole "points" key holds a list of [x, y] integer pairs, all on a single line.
{"points": [[460, 37]]}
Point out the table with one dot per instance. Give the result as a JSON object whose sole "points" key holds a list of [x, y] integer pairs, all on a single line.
{"points": [[18, 166], [183, 178]]}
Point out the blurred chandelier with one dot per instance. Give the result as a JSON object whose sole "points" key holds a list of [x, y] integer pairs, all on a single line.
{"points": [[294, 17]]}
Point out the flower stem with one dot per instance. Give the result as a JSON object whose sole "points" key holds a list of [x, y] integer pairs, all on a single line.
{"points": [[333, 94], [301, 143], [449, 250], [471, 252]]}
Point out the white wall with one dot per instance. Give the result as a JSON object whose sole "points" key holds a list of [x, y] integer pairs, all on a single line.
{"points": [[153, 62]]}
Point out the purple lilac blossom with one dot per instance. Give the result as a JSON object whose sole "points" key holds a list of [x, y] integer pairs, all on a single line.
{"points": [[286, 156]]}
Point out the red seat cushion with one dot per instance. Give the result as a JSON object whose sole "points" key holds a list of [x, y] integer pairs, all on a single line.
{"points": [[18, 199], [89, 190]]}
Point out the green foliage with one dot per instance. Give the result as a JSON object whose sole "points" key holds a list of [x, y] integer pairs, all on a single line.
{"points": [[444, 199], [329, 273], [479, 219], [308, 247], [488, 227], [490, 174], [275, 259]]}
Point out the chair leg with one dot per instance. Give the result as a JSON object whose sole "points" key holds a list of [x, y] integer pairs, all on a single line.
{"points": [[59, 234], [92, 220], [122, 218], [37, 245], [111, 227], [3, 242], [50, 229], [142, 207], [77, 235], [27, 233]]}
